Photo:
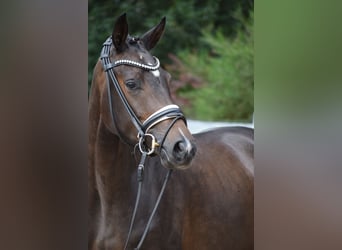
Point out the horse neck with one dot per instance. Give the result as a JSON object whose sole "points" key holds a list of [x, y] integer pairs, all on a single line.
{"points": [[124, 160], [118, 175]]}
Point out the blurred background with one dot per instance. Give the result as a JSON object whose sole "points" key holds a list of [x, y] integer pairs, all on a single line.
{"points": [[207, 47]]}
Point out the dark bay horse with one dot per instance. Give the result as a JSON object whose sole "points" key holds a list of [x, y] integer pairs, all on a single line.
{"points": [[208, 201]]}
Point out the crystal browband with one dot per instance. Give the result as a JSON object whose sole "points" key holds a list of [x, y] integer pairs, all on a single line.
{"points": [[108, 65]]}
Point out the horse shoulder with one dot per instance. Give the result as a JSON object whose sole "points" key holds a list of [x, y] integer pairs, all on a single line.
{"points": [[221, 191], [227, 148]]}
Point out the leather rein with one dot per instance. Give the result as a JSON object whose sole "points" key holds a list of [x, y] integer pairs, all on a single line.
{"points": [[165, 113]]}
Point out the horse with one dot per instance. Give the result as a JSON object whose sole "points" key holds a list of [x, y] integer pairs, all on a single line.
{"points": [[152, 184]]}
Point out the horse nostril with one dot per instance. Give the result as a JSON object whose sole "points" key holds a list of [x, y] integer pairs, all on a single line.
{"points": [[183, 151], [179, 149]]}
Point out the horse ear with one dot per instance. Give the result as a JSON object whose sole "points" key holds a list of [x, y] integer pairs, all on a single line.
{"points": [[151, 37], [120, 33]]}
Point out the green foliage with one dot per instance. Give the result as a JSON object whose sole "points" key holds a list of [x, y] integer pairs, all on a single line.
{"points": [[227, 70], [185, 22]]}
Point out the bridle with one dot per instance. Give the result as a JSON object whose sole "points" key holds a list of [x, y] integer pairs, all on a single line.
{"points": [[168, 112]]}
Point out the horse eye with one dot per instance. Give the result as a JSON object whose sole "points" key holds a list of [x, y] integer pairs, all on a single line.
{"points": [[131, 84]]}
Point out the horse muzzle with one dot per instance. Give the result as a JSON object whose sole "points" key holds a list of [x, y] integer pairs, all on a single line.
{"points": [[178, 155]]}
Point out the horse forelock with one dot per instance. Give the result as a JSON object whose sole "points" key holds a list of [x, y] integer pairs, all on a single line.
{"points": [[137, 52], [133, 40]]}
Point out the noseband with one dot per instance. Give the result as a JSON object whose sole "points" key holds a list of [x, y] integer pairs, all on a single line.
{"points": [[168, 112]]}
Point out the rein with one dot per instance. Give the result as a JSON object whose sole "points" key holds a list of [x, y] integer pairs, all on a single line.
{"points": [[165, 113]]}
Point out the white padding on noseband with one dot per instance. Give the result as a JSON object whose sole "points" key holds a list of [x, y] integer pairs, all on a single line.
{"points": [[171, 106]]}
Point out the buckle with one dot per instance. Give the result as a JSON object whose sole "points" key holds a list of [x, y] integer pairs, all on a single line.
{"points": [[147, 144]]}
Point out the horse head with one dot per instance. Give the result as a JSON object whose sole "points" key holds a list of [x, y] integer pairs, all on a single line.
{"points": [[138, 98]]}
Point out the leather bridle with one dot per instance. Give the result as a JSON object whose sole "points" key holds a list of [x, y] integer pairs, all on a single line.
{"points": [[168, 112]]}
